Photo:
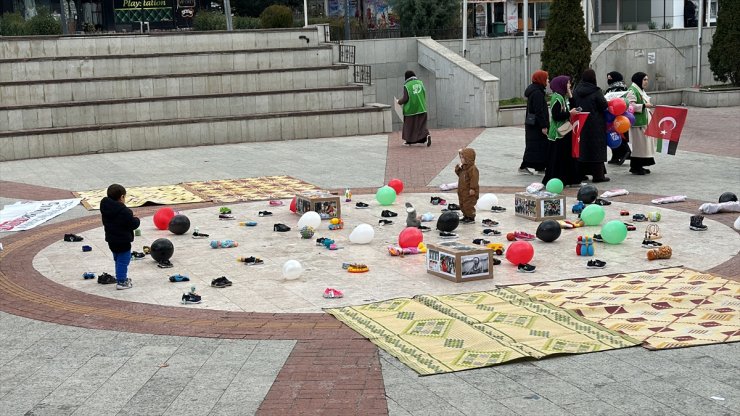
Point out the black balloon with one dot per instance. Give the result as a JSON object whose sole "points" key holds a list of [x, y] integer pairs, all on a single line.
{"points": [[179, 224], [588, 194], [162, 249], [728, 197], [548, 231], [448, 221]]}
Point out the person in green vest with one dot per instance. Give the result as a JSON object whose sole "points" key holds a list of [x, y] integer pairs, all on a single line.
{"points": [[414, 102], [560, 161], [643, 148]]}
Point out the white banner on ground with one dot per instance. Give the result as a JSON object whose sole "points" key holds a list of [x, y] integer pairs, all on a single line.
{"points": [[26, 215]]}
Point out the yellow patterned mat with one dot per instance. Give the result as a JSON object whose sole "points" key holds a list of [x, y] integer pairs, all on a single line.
{"points": [[440, 334], [667, 308], [137, 196], [249, 189]]}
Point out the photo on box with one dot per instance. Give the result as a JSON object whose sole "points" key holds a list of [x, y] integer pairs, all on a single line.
{"points": [[447, 264], [474, 265]]}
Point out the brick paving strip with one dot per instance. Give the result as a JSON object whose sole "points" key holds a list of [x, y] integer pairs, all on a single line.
{"points": [[331, 369]]}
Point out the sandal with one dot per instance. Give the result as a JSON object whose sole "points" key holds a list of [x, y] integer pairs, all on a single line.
{"points": [[281, 228]]}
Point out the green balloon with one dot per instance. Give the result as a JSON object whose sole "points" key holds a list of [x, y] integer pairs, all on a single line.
{"points": [[593, 215], [554, 185], [614, 232], [385, 195]]}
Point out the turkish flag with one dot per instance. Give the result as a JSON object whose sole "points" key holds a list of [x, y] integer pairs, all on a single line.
{"points": [[578, 121], [667, 122]]}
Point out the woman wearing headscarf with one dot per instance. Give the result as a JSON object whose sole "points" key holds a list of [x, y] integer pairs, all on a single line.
{"points": [[592, 145], [561, 163], [643, 148], [621, 153], [535, 126], [414, 102]]}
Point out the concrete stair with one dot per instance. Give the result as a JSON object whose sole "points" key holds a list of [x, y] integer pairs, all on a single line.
{"points": [[73, 95]]}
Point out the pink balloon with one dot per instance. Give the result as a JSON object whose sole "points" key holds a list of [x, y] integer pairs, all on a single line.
{"points": [[397, 185], [520, 252], [410, 237]]}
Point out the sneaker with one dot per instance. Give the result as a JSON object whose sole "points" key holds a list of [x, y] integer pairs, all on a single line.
{"points": [[190, 298], [225, 217], [497, 208], [447, 234], [595, 264], [72, 238], [489, 232], [276, 203], [179, 278], [496, 261], [264, 213], [251, 260], [599, 238], [137, 255], [467, 220], [165, 264], [424, 228], [106, 279], [330, 293], [639, 218], [388, 214], [88, 275], [385, 222], [630, 227], [224, 210], [220, 282], [602, 202], [199, 235], [435, 200], [525, 171], [480, 241], [361, 205], [453, 207], [522, 236], [489, 223], [429, 140], [281, 228], [124, 285], [526, 268], [650, 244]]}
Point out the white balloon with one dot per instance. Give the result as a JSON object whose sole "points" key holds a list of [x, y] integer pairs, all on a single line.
{"points": [[310, 219], [486, 201], [737, 224], [292, 269], [362, 234]]}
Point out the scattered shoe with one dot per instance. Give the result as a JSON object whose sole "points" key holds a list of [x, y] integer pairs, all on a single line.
{"points": [[137, 255], [281, 228], [596, 264], [639, 218], [447, 234], [385, 222], [264, 213], [190, 298], [88, 275], [388, 214], [106, 279], [624, 213], [497, 208], [496, 261], [330, 293], [526, 268], [489, 232], [72, 238], [480, 242], [598, 238], [602, 202], [224, 210], [489, 223], [86, 248], [251, 260], [127, 284], [650, 244], [435, 200], [276, 203], [196, 234], [630, 227], [429, 140], [361, 205], [525, 171], [453, 207], [225, 217], [179, 278], [467, 220], [424, 228], [522, 236], [165, 264], [220, 282], [696, 223]]}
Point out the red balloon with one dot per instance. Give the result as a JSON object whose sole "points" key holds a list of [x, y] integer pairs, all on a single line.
{"points": [[397, 185], [520, 252], [410, 237], [162, 217], [621, 124], [292, 205], [617, 106]]}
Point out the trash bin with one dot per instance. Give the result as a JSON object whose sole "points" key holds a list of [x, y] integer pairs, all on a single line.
{"points": [[499, 29]]}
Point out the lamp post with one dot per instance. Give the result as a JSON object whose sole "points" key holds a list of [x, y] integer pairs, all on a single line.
{"points": [[465, 27], [346, 19], [526, 46], [305, 13], [699, 28]]}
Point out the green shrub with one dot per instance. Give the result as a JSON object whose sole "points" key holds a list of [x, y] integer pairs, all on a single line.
{"points": [[12, 24], [566, 48], [276, 16], [246, 22], [209, 21], [724, 55], [44, 24]]}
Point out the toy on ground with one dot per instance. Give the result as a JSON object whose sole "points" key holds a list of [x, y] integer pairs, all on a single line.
{"points": [[578, 207], [162, 217], [411, 219], [362, 234], [358, 268], [336, 224], [614, 232], [585, 246], [587, 194], [398, 251], [497, 248], [161, 250], [224, 244], [347, 195], [179, 224], [664, 252], [307, 232], [652, 232], [548, 231], [520, 252], [653, 216], [410, 237], [326, 242]]}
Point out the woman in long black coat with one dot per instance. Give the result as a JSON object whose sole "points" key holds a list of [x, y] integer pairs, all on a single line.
{"points": [[535, 151], [592, 146]]}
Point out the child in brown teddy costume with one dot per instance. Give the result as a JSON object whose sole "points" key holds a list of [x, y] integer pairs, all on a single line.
{"points": [[467, 185]]}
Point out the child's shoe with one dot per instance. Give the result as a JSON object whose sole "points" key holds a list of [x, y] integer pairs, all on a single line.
{"points": [[497, 208], [526, 268], [596, 264], [490, 232], [106, 279], [225, 217], [331, 293], [190, 298], [165, 264], [220, 282], [696, 223], [127, 284], [137, 255], [179, 278], [489, 223], [72, 238], [467, 220]]}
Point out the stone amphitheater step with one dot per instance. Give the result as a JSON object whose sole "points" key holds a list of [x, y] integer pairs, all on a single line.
{"points": [[86, 113], [65, 67], [143, 135], [165, 85]]}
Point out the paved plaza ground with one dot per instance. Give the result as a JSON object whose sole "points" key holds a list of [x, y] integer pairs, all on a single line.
{"points": [[263, 346]]}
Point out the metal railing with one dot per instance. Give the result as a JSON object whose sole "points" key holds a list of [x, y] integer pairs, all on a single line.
{"points": [[346, 54], [337, 33], [363, 74]]}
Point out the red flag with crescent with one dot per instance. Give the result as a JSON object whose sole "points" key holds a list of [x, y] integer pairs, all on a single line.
{"points": [[577, 121], [667, 122]]}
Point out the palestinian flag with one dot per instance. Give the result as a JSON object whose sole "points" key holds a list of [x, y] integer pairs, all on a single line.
{"points": [[666, 126], [666, 146]]}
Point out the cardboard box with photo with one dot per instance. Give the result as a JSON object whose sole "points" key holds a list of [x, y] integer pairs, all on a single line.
{"points": [[459, 262], [325, 204], [538, 207]]}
